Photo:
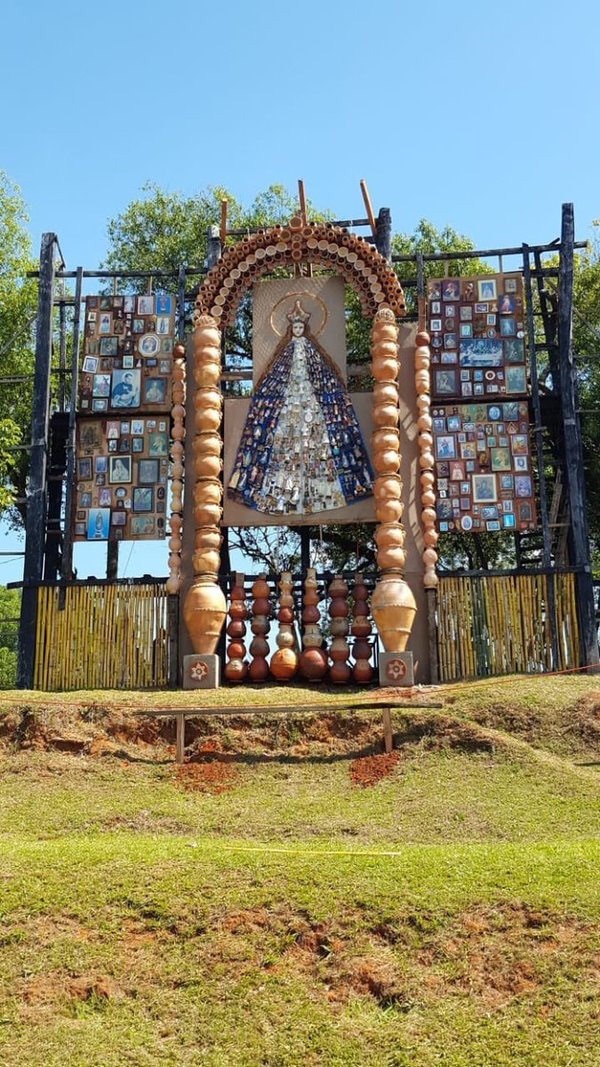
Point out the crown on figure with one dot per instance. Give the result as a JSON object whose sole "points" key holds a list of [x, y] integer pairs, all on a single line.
{"points": [[298, 314]]}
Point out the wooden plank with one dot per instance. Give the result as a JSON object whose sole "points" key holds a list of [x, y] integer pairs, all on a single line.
{"points": [[388, 737], [180, 739]]}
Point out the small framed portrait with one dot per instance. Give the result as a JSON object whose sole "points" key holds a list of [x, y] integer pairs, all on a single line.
{"points": [[450, 313], [100, 479], [80, 529], [145, 305], [506, 304], [85, 500], [99, 405], [508, 521], [500, 459], [484, 488], [523, 486], [129, 305], [98, 524], [434, 290], [466, 329], [124, 427], [101, 386], [466, 313], [492, 526], [436, 325], [164, 304], [149, 344], [468, 450], [158, 444], [457, 471], [165, 366], [148, 471], [126, 389], [490, 320], [435, 308], [449, 357], [514, 350], [84, 469], [90, 364], [481, 309], [138, 326], [109, 346], [451, 289], [105, 498], [119, 469], [105, 322], [127, 362], [137, 427], [113, 430], [454, 423], [478, 389], [516, 381], [166, 346], [445, 446], [113, 445], [520, 444], [525, 513], [162, 325], [467, 288], [508, 326], [155, 390], [142, 525], [124, 444], [450, 340], [143, 499], [445, 382], [466, 389], [119, 518], [486, 289], [439, 425], [444, 509], [511, 285], [101, 464], [521, 464], [137, 444]]}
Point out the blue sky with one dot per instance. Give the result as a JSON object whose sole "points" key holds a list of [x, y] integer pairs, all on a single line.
{"points": [[482, 117]]}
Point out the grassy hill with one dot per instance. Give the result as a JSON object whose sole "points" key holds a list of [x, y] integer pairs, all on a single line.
{"points": [[291, 895]]}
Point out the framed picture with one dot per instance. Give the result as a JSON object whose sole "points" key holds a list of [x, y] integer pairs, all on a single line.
{"points": [[158, 444], [105, 498], [486, 288], [84, 469], [145, 305], [484, 488], [143, 499], [521, 464], [137, 444], [126, 389], [101, 385], [466, 313], [105, 322], [98, 524], [142, 525], [101, 464], [449, 357], [149, 344], [162, 325], [508, 326], [467, 288], [514, 351], [139, 326], [445, 446], [506, 305], [155, 390], [468, 450], [466, 329], [109, 346], [520, 444], [85, 500], [436, 325], [137, 427], [481, 352], [516, 381], [119, 518], [434, 290], [445, 382], [500, 459], [511, 285], [523, 486], [450, 313], [99, 405], [90, 364], [450, 340], [451, 289], [148, 471], [165, 366], [457, 471], [454, 423], [508, 521], [119, 469], [164, 304], [525, 513], [127, 362]]}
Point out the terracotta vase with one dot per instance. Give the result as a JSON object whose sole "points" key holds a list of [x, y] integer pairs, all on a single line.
{"points": [[313, 664], [259, 646], [236, 629], [393, 608], [340, 673], [235, 670], [362, 672], [258, 670], [284, 664], [204, 611]]}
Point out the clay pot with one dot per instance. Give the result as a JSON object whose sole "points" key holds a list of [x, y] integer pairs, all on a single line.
{"points": [[386, 438], [260, 625], [361, 649], [236, 629], [388, 487], [259, 646], [173, 584], [312, 637], [386, 415], [310, 598], [392, 558], [207, 420], [311, 614], [422, 381], [261, 606], [204, 611], [338, 650], [313, 664], [386, 462], [206, 562], [422, 338], [428, 498], [387, 534], [236, 650], [208, 537], [339, 627], [285, 615], [362, 672], [284, 664], [361, 627], [207, 444], [338, 608], [208, 491], [207, 466], [236, 670], [393, 608], [386, 369], [424, 423], [286, 638], [261, 588], [208, 398], [389, 510], [237, 608], [431, 538], [258, 670], [207, 514], [385, 393], [207, 375], [339, 673]]}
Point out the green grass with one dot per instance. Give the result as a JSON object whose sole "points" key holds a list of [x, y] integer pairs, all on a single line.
{"points": [[447, 916]]}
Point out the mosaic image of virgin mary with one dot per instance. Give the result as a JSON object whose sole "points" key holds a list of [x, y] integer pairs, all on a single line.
{"points": [[301, 450]]}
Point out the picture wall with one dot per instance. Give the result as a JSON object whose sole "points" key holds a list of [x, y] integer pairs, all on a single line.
{"points": [[480, 410], [123, 419]]}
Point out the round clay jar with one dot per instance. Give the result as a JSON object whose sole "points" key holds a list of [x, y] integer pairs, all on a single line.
{"points": [[313, 664]]}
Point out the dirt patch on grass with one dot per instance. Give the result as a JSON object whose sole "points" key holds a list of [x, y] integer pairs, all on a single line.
{"points": [[369, 770], [209, 771], [56, 986], [573, 730]]}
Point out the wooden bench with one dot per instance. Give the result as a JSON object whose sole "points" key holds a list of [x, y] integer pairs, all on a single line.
{"points": [[385, 708]]}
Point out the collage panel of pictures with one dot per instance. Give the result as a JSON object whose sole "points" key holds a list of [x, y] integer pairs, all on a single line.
{"points": [[483, 467], [121, 479], [128, 353], [477, 330]]}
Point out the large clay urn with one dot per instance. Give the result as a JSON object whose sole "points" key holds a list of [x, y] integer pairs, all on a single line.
{"points": [[393, 608], [204, 611]]}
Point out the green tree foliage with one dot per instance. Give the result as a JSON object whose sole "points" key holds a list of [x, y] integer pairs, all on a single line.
{"points": [[10, 606], [586, 343], [18, 297]]}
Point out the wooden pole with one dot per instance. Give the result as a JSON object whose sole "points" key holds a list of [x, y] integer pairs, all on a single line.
{"points": [[302, 199], [180, 738], [35, 524], [223, 233], [573, 443], [213, 252], [388, 737], [383, 235], [67, 555], [368, 207]]}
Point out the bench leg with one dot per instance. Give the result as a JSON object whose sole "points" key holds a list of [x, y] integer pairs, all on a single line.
{"points": [[180, 749], [388, 739]]}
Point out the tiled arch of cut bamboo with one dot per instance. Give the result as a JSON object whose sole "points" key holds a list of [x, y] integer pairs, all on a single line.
{"points": [[382, 299]]}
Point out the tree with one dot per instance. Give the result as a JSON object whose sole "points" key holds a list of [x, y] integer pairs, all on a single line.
{"points": [[10, 604], [18, 304]]}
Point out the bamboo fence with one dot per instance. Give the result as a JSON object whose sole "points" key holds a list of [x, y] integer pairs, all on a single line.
{"points": [[101, 637], [502, 625]]}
